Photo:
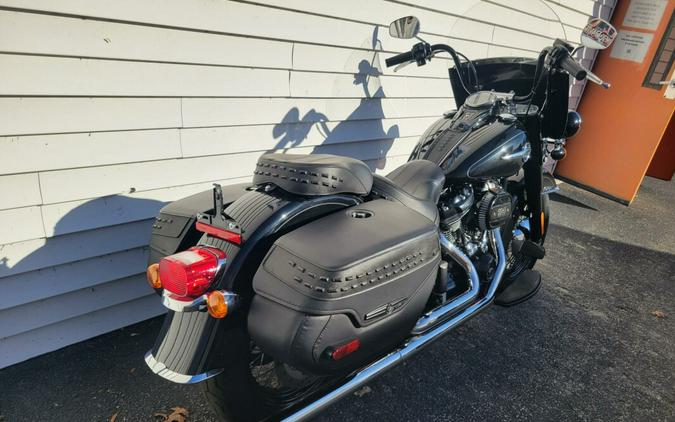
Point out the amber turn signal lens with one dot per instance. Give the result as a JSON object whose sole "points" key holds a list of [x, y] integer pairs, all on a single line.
{"points": [[543, 221], [216, 304], [152, 273]]}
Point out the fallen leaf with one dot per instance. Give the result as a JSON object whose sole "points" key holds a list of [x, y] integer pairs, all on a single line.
{"points": [[178, 414], [658, 314], [113, 418]]}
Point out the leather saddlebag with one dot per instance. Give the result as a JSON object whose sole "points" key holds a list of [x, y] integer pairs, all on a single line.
{"points": [[336, 292]]}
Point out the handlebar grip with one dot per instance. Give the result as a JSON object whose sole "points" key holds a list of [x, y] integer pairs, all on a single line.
{"points": [[399, 58], [569, 65]]}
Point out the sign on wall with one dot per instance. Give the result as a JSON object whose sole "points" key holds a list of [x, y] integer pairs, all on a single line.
{"points": [[644, 14], [631, 45]]}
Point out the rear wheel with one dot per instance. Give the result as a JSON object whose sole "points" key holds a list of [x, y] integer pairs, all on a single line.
{"points": [[255, 386]]}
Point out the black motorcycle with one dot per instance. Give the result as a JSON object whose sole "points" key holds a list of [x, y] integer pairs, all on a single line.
{"points": [[292, 291]]}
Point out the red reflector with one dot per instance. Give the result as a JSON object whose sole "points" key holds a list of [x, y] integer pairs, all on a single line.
{"points": [[191, 272], [346, 349], [219, 233]]}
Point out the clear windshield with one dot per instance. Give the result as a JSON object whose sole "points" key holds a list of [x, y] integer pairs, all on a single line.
{"points": [[520, 28]]}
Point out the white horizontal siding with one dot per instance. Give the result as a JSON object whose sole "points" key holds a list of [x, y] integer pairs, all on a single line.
{"points": [[201, 112], [52, 35], [112, 109], [30, 286], [29, 255], [50, 152], [58, 76], [63, 333], [19, 224], [19, 190], [29, 116]]}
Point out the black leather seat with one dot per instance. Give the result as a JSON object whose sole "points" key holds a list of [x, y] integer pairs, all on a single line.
{"points": [[416, 184], [314, 174]]}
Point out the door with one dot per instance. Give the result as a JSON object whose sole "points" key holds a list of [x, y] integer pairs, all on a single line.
{"points": [[623, 126], [663, 163]]}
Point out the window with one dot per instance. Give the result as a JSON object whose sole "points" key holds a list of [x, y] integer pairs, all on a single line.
{"points": [[663, 59]]}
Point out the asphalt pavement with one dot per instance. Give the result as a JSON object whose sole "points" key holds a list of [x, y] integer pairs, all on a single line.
{"points": [[596, 344]]}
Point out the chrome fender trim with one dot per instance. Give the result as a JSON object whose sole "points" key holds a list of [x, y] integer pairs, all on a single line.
{"points": [[160, 369], [198, 304]]}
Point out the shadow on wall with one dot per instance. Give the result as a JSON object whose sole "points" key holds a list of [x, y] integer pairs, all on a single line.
{"points": [[94, 228], [114, 223], [295, 129]]}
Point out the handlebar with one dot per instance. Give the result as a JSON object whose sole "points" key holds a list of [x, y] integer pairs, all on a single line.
{"points": [[559, 56], [399, 58], [571, 66]]}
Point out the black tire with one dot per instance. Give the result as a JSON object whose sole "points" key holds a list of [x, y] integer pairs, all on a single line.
{"points": [[230, 394], [237, 395], [521, 262]]}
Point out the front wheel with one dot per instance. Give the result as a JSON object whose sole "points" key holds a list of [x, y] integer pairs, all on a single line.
{"points": [[516, 260]]}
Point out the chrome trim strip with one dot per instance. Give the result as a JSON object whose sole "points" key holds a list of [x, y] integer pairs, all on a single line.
{"points": [[551, 189], [522, 153], [160, 369], [413, 345], [176, 304]]}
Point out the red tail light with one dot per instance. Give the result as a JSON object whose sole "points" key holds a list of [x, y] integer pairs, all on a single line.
{"points": [[190, 273], [224, 234]]}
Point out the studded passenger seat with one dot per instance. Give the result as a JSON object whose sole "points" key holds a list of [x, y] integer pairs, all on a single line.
{"points": [[314, 174]]}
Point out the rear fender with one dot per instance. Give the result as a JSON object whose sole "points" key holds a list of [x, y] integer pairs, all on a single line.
{"points": [[193, 346]]}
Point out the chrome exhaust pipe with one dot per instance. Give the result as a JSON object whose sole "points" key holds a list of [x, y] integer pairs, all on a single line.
{"points": [[430, 319], [415, 344]]}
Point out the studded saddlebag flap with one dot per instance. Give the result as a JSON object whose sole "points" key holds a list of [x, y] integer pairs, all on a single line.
{"points": [[362, 273]]}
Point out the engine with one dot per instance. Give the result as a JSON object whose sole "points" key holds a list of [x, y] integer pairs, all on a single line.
{"points": [[468, 212]]}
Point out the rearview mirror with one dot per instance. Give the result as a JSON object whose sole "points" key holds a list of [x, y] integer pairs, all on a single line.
{"points": [[407, 27], [598, 34]]}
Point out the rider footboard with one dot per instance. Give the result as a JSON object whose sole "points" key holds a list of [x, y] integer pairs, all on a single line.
{"points": [[333, 293]]}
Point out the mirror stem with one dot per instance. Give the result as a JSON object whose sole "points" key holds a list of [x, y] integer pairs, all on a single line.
{"points": [[577, 48]]}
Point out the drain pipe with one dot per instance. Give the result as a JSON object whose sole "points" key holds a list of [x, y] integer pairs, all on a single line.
{"points": [[368, 373]]}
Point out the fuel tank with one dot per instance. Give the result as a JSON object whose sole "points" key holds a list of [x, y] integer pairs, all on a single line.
{"points": [[480, 141]]}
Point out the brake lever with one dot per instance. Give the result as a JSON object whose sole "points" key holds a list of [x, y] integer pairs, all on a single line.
{"points": [[402, 65]]}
